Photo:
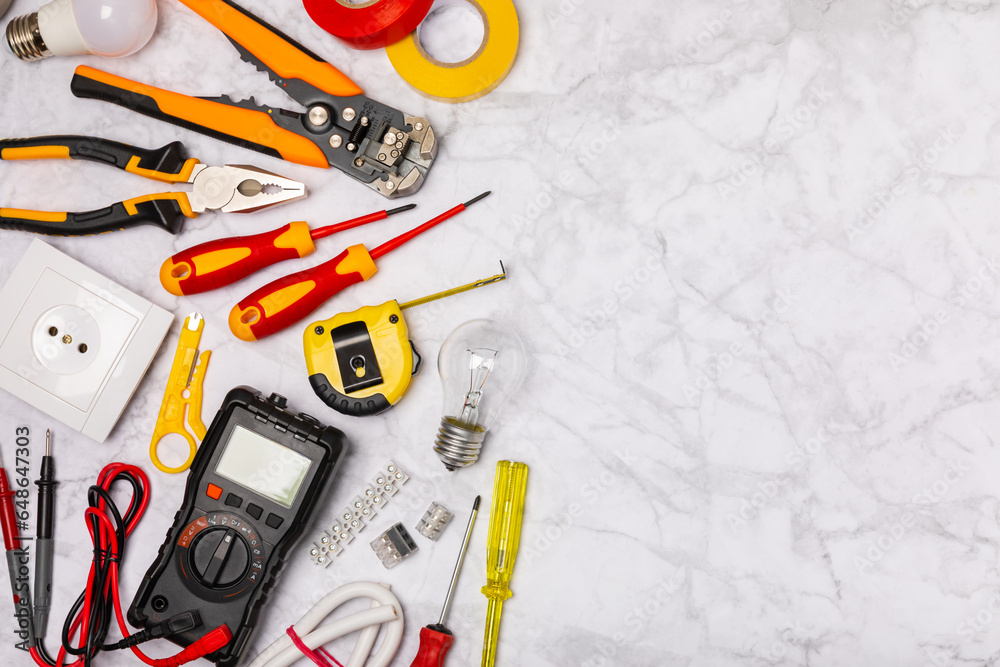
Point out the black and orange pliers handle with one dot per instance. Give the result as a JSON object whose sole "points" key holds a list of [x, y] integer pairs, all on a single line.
{"points": [[167, 210]]}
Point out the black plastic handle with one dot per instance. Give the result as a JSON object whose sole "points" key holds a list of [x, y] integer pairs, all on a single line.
{"points": [[167, 163], [167, 211]]}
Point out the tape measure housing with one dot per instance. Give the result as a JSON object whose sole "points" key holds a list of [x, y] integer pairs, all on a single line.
{"points": [[360, 363]]}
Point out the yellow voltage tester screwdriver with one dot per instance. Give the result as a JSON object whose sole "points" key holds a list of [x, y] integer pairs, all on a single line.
{"points": [[360, 363], [509, 488]]}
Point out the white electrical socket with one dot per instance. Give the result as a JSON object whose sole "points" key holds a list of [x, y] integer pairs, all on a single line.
{"points": [[73, 343]]}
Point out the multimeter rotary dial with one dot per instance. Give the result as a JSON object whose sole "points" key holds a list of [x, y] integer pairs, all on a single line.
{"points": [[221, 550], [219, 557]]}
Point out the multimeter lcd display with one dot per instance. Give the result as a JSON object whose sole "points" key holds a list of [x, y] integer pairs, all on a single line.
{"points": [[263, 466]]}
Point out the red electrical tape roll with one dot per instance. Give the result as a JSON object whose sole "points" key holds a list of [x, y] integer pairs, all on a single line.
{"points": [[370, 25]]}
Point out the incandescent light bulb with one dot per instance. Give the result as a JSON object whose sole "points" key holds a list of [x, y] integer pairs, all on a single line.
{"points": [[112, 28], [482, 363]]}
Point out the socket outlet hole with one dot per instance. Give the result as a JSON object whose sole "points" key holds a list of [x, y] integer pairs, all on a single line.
{"points": [[66, 339]]}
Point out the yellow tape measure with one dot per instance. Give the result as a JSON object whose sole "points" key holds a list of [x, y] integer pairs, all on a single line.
{"points": [[360, 363]]}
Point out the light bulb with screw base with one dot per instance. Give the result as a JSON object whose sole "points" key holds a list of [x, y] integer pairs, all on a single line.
{"points": [[482, 364], [112, 28]]}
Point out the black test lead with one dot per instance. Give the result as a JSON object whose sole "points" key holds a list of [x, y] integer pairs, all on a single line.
{"points": [[44, 554]]}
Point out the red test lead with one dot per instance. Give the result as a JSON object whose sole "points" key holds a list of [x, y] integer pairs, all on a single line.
{"points": [[17, 560]]}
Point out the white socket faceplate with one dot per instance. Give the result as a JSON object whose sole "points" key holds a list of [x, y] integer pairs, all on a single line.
{"points": [[74, 344]]}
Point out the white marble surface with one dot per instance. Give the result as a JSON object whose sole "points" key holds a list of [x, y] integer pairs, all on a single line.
{"points": [[753, 251]]}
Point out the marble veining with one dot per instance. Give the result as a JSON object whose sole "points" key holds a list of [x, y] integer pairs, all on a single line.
{"points": [[752, 248]]}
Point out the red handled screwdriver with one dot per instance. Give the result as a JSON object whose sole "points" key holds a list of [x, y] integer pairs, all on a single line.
{"points": [[436, 639], [285, 301], [222, 262]]}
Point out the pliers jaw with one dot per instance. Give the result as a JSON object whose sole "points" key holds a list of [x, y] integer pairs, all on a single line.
{"points": [[239, 189]]}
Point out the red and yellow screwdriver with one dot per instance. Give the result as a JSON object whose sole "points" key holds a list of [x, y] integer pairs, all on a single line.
{"points": [[287, 300], [222, 262]]}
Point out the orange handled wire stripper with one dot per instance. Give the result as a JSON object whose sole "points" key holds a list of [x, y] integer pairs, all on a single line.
{"points": [[384, 148], [233, 188]]}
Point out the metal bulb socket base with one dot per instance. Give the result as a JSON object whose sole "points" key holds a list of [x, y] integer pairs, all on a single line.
{"points": [[25, 40], [458, 446]]}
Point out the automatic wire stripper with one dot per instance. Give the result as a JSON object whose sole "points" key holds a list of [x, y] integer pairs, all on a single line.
{"points": [[382, 147], [230, 189]]}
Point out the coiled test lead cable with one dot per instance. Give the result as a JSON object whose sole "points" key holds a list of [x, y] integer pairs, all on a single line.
{"points": [[385, 610]]}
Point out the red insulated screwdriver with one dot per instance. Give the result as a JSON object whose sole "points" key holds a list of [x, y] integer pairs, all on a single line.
{"points": [[222, 262], [285, 301], [436, 639]]}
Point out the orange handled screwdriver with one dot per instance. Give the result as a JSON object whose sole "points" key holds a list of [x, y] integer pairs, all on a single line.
{"points": [[222, 262], [436, 639], [287, 300]]}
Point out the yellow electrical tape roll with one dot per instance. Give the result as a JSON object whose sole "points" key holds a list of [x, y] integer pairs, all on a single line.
{"points": [[472, 78]]}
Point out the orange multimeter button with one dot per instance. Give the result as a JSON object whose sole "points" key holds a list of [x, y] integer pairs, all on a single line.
{"points": [[213, 492]]}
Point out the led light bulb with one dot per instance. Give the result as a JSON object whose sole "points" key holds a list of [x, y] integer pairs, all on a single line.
{"points": [[4, 4], [482, 363], [112, 28]]}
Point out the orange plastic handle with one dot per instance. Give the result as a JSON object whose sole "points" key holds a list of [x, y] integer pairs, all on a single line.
{"points": [[283, 302], [256, 128], [282, 55]]}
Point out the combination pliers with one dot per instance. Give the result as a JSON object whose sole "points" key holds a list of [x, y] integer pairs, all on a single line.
{"points": [[230, 189], [382, 147]]}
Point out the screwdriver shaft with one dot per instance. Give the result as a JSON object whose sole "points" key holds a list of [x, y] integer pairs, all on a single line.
{"points": [[461, 560]]}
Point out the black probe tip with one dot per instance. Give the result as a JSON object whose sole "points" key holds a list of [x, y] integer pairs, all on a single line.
{"points": [[394, 211], [475, 504], [475, 199]]}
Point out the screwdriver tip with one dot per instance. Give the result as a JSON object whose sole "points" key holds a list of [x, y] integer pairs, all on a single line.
{"points": [[475, 199], [394, 211], [475, 504]]}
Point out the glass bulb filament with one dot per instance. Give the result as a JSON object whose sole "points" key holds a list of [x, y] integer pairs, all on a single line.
{"points": [[481, 361]]}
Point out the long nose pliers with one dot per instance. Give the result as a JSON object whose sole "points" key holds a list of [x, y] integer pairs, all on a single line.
{"points": [[232, 188]]}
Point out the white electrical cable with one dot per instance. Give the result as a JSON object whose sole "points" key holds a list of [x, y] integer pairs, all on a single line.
{"points": [[385, 610]]}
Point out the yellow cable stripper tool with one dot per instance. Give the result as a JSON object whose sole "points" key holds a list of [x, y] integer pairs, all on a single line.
{"points": [[360, 363], [183, 395]]}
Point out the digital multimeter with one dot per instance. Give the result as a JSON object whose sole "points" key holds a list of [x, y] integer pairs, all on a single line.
{"points": [[256, 479]]}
